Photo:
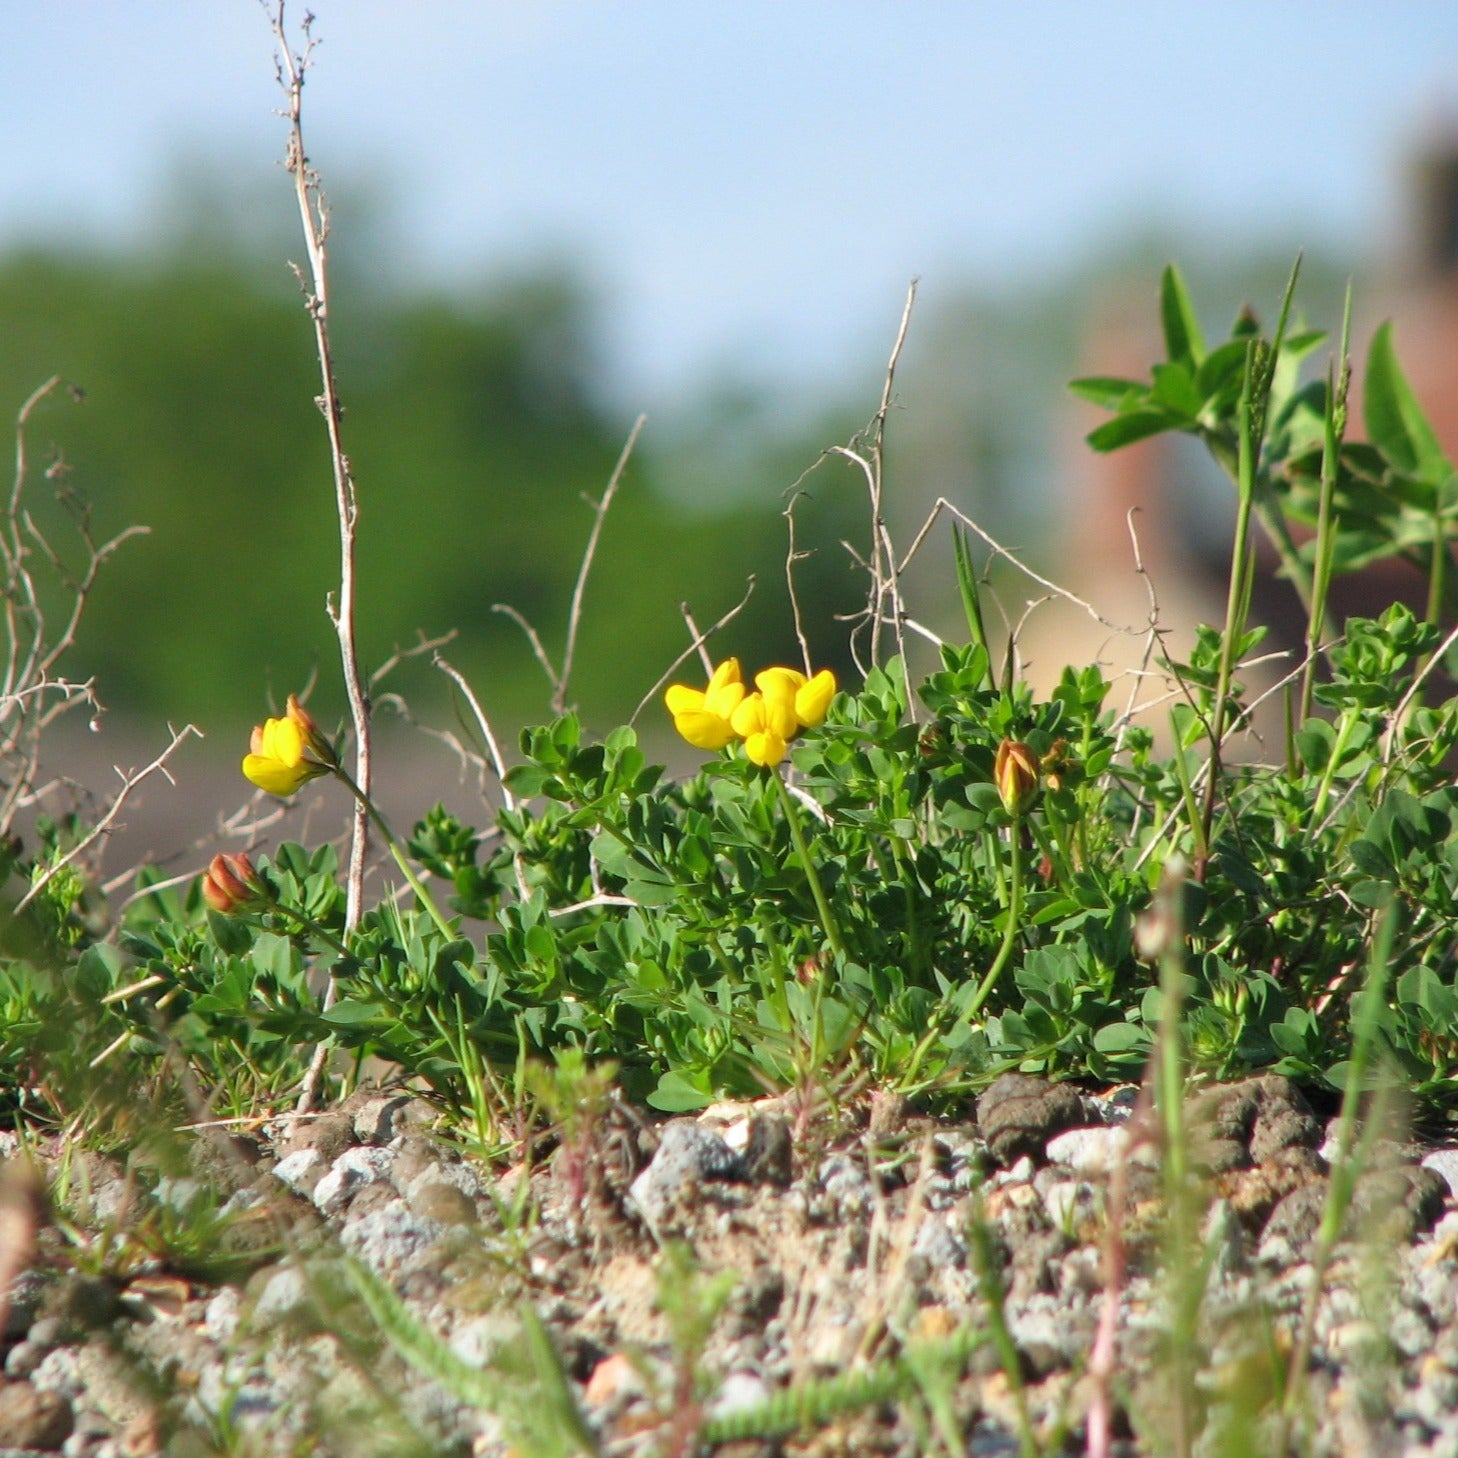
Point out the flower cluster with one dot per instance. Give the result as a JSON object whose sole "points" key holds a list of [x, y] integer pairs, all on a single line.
{"points": [[286, 753], [783, 702]]}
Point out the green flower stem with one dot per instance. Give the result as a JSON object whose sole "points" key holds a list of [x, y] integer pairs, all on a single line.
{"points": [[1050, 840], [406, 869], [1010, 932], [310, 925], [1346, 724], [797, 834]]}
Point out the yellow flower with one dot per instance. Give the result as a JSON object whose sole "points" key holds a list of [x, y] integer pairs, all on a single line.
{"points": [[785, 703], [702, 716], [808, 699], [766, 723], [812, 699], [1015, 769], [286, 753]]}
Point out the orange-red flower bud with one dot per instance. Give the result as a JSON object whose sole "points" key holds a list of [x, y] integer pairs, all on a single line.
{"points": [[1016, 771], [231, 884]]}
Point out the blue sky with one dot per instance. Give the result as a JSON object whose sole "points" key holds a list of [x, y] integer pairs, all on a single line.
{"points": [[752, 182]]}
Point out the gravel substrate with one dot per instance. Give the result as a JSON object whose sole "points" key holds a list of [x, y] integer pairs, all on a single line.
{"points": [[853, 1240]]}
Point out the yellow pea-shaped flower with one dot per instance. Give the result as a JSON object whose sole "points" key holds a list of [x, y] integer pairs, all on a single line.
{"points": [[703, 716]]}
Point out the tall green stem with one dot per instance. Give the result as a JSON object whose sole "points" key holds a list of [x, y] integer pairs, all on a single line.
{"points": [[309, 925], [797, 834], [1237, 605], [406, 869], [1334, 427], [1010, 931]]}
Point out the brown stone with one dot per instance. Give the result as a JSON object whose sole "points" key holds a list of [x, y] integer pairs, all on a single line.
{"points": [[1017, 1114], [32, 1418]]}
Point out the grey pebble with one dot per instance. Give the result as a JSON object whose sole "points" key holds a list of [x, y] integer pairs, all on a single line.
{"points": [[26, 1291], [1409, 1331], [220, 1315], [1088, 1151], [437, 1200], [47, 1332], [688, 1154], [282, 1293], [22, 1359], [769, 1151], [940, 1247], [482, 1339], [391, 1237], [60, 1371], [33, 1418], [1069, 1202], [351, 1170], [1041, 1329], [381, 1119], [847, 1186], [179, 1194], [458, 1176]]}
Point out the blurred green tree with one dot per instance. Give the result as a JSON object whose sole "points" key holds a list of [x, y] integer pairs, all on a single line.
{"points": [[476, 433]]}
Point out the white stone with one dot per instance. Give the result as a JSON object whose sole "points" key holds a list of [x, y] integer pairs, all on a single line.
{"points": [[739, 1392], [285, 1291], [1068, 1200], [1445, 1163], [300, 1171], [1098, 1150]]}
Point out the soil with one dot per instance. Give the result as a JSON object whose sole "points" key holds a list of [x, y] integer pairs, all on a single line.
{"points": [[763, 1279]]}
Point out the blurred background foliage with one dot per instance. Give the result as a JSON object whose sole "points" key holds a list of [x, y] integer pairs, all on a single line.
{"points": [[480, 423]]}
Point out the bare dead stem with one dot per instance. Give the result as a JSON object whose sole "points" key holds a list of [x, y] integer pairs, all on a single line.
{"points": [[292, 67], [868, 454], [130, 780], [574, 615], [699, 646], [32, 694]]}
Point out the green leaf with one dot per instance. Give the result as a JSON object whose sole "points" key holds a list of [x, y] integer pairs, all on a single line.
{"points": [[1221, 369], [1183, 341], [1124, 430], [349, 1011], [103, 964], [1114, 1038], [275, 956], [653, 891], [1109, 392], [1395, 419], [526, 780], [675, 1094], [1314, 742], [1174, 388]]}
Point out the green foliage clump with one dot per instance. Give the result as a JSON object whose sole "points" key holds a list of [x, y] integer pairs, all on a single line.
{"points": [[945, 883]]}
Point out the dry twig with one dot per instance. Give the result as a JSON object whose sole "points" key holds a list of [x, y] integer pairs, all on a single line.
{"points": [[884, 599], [574, 614], [130, 780], [32, 695], [559, 678], [292, 67], [700, 640]]}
